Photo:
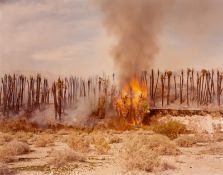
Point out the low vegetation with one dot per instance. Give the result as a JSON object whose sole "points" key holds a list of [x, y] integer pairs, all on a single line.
{"points": [[115, 139], [4, 138], [15, 148], [143, 153], [23, 136], [79, 142], [44, 140], [118, 124], [101, 144], [185, 141], [18, 124], [171, 129], [60, 158], [142, 160], [11, 149]]}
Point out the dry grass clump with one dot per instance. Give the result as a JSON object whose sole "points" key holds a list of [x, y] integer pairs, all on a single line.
{"points": [[161, 144], [142, 160], [115, 139], [101, 144], [79, 142], [4, 138], [60, 158], [185, 141], [100, 141], [171, 129], [44, 140], [11, 149], [18, 124], [83, 142], [142, 153], [216, 114], [23, 136], [118, 124], [15, 148]]}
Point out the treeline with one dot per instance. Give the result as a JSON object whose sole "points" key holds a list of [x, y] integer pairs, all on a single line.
{"points": [[184, 88], [21, 93], [187, 87]]}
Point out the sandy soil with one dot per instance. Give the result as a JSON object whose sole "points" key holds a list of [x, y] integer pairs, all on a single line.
{"points": [[192, 161]]}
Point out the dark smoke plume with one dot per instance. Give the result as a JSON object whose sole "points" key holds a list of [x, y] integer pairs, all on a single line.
{"points": [[136, 24]]}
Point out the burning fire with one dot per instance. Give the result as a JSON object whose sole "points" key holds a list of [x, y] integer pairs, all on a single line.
{"points": [[132, 104]]}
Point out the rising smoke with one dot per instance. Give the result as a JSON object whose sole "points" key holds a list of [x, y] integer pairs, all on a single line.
{"points": [[137, 25]]}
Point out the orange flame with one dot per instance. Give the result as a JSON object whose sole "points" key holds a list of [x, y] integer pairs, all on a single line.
{"points": [[133, 103]]}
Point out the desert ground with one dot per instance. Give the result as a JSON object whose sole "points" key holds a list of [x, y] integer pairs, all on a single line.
{"points": [[166, 146], [111, 87]]}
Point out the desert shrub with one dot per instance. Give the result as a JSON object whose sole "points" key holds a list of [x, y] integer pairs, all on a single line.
{"points": [[79, 142], [216, 114], [161, 144], [118, 124], [115, 139], [171, 129], [23, 136], [142, 160], [60, 158], [185, 141], [11, 149], [4, 138], [44, 140], [83, 142], [101, 144], [142, 153], [18, 124], [15, 147]]}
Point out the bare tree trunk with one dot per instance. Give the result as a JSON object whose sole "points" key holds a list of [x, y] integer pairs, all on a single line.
{"points": [[169, 74], [157, 81], [181, 86], [162, 84], [175, 86], [188, 74]]}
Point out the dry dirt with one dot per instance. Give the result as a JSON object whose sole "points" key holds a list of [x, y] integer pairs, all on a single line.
{"points": [[204, 157]]}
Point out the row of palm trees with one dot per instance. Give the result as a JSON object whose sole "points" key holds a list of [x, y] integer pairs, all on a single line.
{"points": [[187, 87]]}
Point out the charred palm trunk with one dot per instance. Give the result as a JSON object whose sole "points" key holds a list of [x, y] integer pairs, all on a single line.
{"points": [[54, 91], [175, 87], [169, 74], [181, 86], [188, 75], [157, 81], [162, 86]]}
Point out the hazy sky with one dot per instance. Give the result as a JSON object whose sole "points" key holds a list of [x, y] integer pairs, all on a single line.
{"points": [[68, 37]]}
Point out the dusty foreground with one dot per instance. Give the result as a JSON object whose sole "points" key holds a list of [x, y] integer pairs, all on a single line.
{"points": [[109, 152]]}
